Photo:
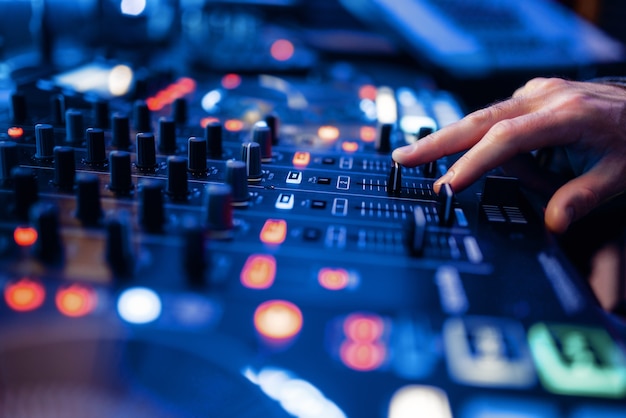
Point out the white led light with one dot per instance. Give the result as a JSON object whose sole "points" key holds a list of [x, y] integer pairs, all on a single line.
{"points": [[139, 305]]}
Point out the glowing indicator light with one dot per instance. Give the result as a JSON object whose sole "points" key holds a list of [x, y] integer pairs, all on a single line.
{"points": [[132, 7], [362, 356], [333, 279], [274, 231], [363, 328], [420, 401], [139, 305], [368, 133], [204, 122], [169, 94], [76, 300], [231, 81], [233, 125], [24, 295], [349, 146], [278, 320], [367, 91], [120, 79], [259, 271], [15, 132], [328, 133], [25, 236], [386, 105], [301, 158], [282, 50]]}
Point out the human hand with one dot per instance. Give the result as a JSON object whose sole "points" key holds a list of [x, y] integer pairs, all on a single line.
{"points": [[588, 119]]}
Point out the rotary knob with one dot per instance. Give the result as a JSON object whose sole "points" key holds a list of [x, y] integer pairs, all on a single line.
{"points": [[44, 141], [383, 141], [45, 218], [64, 167], [25, 190], [251, 156], [8, 159], [146, 151], [196, 159], [219, 211], [213, 137], [120, 172], [88, 206], [96, 148], [263, 136], [120, 131], [142, 117], [167, 135], [151, 209], [74, 126], [177, 182], [237, 179]]}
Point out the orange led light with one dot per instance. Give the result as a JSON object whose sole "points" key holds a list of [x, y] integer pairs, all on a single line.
{"points": [[362, 356], [233, 125], [169, 94], [15, 132], [24, 295], [76, 300], [301, 158], [274, 231], [368, 134], [333, 279], [282, 50], [259, 271], [328, 133], [25, 236], [278, 320], [363, 328], [349, 146], [204, 122], [368, 91], [231, 81]]}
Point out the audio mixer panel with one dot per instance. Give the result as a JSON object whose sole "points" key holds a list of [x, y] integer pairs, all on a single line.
{"points": [[243, 245]]}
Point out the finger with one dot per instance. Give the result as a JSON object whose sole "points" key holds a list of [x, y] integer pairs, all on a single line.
{"points": [[459, 136], [579, 196], [503, 141]]}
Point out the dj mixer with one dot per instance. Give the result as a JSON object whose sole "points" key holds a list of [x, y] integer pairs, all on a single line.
{"points": [[243, 245]]}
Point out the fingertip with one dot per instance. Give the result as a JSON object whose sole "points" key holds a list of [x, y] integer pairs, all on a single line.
{"points": [[400, 154], [558, 219]]}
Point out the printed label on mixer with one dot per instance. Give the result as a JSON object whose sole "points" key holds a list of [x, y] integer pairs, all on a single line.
{"points": [[343, 182]]}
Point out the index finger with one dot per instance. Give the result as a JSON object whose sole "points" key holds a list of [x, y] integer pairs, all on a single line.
{"points": [[460, 135]]}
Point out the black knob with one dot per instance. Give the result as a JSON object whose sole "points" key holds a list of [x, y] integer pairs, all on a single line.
{"points": [[237, 179], [394, 183], [383, 141], [74, 126], [445, 208], [120, 172], [19, 113], [416, 231], [120, 131], [194, 256], [45, 218], [44, 141], [96, 147], [8, 159], [100, 113], [197, 155], [57, 109], [142, 117], [25, 191], [177, 181], [167, 135], [146, 151], [219, 211], [119, 254], [273, 123], [179, 111], [151, 210], [88, 206], [251, 156], [64, 167], [213, 137], [262, 135]]}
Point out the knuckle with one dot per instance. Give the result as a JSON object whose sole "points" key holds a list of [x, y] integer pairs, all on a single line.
{"points": [[501, 131]]}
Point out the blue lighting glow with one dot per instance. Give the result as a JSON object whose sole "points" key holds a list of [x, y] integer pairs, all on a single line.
{"points": [[132, 7]]}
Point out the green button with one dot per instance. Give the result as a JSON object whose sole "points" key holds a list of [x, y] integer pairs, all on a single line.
{"points": [[576, 360]]}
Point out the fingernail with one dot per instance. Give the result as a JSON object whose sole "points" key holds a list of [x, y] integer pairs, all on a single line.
{"points": [[446, 178]]}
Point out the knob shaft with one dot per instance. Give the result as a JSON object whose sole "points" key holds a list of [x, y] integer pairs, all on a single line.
{"points": [[119, 254], [167, 135], [213, 137], [251, 156], [100, 114], [88, 205], [263, 136], [45, 218], [219, 211], [273, 123], [74, 126], [57, 109], [177, 182], [19, 113], [151, 210], [44, 141], [64, 167], [237, 179], [179, 111], [197, 156], [120, 131], [146, 151], [142, 117], [120, 172], [394, 183], [445, 206], [96, 147]]}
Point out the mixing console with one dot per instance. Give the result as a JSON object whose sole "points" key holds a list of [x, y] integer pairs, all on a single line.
{"points": [[244, 246]]}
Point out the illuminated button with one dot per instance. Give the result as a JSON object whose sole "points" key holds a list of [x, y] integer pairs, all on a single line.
{"points": [[333, 279], [363, 327], [419, 401], [484, 351], [578, 361], [328, 133], [350, 146], [139, 305], [282, 50], [75, 300], [362, 356], [25, 236], [368, 134], [284, 201], [15, 132], [294, 177], [233, 125], [259, 271], [274, 231], [24, 295], [278, 320], [301, 158], [231, 81]]}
